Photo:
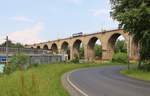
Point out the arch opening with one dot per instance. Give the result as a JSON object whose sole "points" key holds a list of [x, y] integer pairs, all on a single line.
{"points": [[38, 47], [120, 45], [54, 48], [45, 47], [78, 49], [94, 49], [117, 44], [65, 49]]}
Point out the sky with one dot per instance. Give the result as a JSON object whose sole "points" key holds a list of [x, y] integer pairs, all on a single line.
{"points": [[34, 21]]}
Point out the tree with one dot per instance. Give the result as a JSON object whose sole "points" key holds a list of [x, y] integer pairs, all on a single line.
{"points": [[81, 52], [11, 44], [134, 17], [120, 46], [98, 50], [20, 60]]}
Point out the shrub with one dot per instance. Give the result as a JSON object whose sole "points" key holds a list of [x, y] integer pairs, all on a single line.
{"points": [[35, 65], [76, 59], [120, 58], [9, 68], [145, 67], [18, 61]]}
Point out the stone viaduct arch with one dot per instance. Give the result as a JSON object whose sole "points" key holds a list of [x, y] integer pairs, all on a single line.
{"points": [[65, 48], [111, 40], [107, 39], [90, 47], [38, 47], [76, 47], [45, 47], [54, 48]]}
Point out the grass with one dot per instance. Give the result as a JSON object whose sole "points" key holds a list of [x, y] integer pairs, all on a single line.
{"points": [[43, 80], [138, 74]]}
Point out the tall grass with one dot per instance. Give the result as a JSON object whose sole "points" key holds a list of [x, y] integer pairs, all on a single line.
{"points": [[43, 80]]}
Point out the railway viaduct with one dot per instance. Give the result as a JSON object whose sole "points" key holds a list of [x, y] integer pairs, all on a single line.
{"points": [[107, 38]]}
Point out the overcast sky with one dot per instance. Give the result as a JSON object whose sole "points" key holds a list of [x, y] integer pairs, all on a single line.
{"points": [[32, 21]]}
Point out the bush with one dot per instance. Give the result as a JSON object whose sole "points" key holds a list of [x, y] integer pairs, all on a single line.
{"points": [[120, 58], [9, 68], [145, 67], [75, 60], [35, 65], [18, 61]]}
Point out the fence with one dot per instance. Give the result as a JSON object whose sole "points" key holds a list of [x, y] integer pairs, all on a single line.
{"points": [[23, 50], [45, 59], [37, 56]]}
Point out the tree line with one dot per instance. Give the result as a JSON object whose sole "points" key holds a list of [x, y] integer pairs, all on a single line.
{"points": [[11, 44]]}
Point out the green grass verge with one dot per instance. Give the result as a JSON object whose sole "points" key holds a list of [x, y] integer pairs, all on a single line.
{"points": [[138, 74], [44, 80]]}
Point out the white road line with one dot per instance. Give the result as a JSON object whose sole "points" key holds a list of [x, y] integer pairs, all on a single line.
{"points": [[74, 86]]}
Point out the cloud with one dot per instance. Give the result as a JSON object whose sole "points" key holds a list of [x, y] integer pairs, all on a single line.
{"points": [[21, 19], [28, 36], [99, 12]]}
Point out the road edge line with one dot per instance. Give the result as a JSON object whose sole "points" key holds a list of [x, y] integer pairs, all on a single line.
{"points": [[74, 86]]}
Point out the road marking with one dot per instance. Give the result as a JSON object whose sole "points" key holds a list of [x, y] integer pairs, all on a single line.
{"points": [[74, 86]]}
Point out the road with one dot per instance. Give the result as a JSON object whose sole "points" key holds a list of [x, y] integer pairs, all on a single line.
{"points": [[107, 81]]}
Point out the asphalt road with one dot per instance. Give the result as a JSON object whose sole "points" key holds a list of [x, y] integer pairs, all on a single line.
{"points": [[106, 81]]}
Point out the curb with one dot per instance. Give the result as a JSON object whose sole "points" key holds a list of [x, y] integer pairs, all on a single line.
{"points": [[74, 86]]}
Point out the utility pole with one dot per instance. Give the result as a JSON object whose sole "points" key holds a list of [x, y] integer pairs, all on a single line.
{"points": [[6, 50], [129, 52]]}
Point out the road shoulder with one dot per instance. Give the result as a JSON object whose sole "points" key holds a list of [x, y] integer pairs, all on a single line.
{"points": [[69, 87]]}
